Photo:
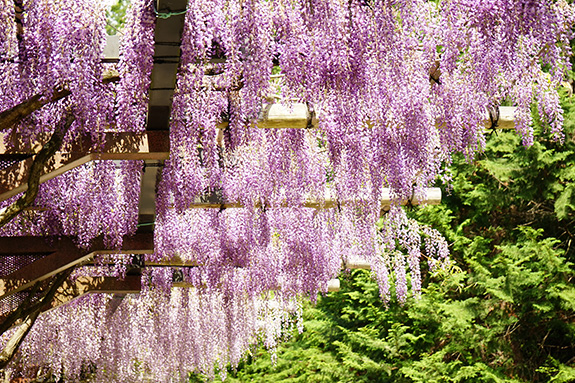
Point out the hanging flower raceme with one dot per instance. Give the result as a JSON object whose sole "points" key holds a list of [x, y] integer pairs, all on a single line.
{"points": [[156, 335], [135, 66], [397, 87], [283, 250], [392, 88], [99, 198]]}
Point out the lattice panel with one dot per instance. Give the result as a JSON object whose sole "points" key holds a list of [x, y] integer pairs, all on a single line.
{"points": [[13, 262], [7, 160], [11, 302], [4, 164]]}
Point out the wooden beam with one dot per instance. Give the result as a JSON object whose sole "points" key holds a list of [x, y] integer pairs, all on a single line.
{"points": [[175, 261], [506, 118], [278, 116], [297, 116], [145, 143], [118, 146], [81, 286], [73, 289], [333, 285], [358, 264], [432, 197], [155, 144], [65, 255]]}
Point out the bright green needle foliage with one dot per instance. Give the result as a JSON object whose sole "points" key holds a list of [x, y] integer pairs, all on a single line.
{"points": [[505, 312]]}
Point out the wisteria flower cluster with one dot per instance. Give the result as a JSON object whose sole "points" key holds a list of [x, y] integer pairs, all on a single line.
{"points": [[54, 50], [135, 67], [393, 89], [155, 335], [99, 198], [397, 87], [55, 46]]}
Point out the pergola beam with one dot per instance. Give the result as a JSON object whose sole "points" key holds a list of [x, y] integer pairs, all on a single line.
{"points": [[357, 264], [432, 197], [333, 285], [70, 290], [152, 146], [298, 116], [74, 289], [65, 254]]}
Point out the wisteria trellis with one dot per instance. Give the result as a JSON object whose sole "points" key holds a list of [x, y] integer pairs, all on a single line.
{"points": [[398, 86]]}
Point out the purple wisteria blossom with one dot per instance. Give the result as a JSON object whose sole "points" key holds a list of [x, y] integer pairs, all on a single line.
{"points": [[393, 89]]}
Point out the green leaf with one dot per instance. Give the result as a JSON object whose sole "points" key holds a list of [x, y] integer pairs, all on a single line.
{"points": [[565, 203]]}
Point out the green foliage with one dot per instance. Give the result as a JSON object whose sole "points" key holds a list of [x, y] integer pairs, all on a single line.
{"points": [[502, 320], [505, 311], [116, 16]]}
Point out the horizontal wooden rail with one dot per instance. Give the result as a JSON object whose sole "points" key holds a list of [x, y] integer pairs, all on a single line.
{"points": [[176, 261], [298, 116], [272, 116], [357, 264], [333, 285], [145, 144]]}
